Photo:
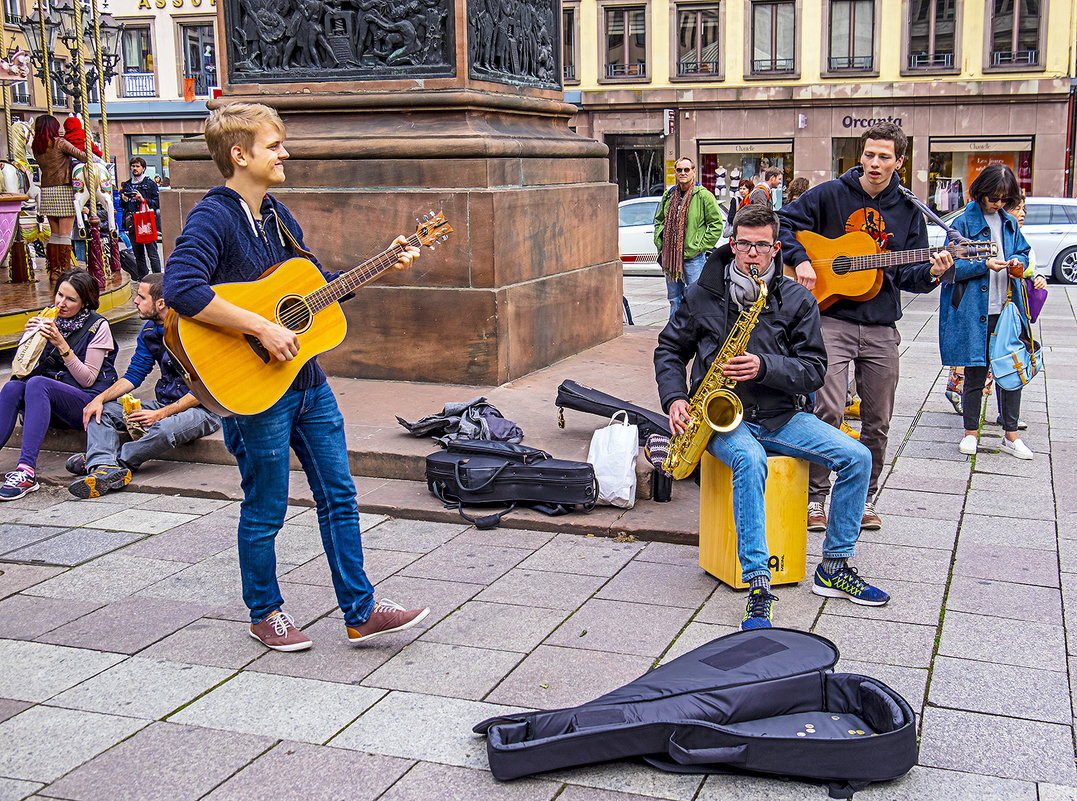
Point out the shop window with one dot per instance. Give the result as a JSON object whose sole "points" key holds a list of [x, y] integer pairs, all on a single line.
{"points": [[773, 37], [952, 167], [848, 149], [722, 171], [638, 165], [852, 35], [697, 41], [1015, 33], [626, 42], [570, 43], [932, 34], [154, 149]]}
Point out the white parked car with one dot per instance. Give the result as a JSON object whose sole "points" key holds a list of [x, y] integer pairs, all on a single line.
{"points": [[1050, 228], [635, 235]]}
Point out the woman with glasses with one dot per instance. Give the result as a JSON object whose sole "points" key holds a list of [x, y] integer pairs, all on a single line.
{"points": [[970, 306]]}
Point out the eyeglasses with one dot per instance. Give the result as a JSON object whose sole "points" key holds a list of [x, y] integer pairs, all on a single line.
{"points": [[683, 169], [746, 247]]}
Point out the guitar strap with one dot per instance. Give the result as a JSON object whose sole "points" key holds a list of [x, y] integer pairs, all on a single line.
{"points": [[286, 234], [952, 234]]}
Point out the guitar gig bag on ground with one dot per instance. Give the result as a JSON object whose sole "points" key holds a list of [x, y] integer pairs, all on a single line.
{"points": [[477, 472], [760, 702]]}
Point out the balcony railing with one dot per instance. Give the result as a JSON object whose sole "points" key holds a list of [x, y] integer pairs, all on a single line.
{"points": [[569, 72], [139, 84], [20, 94], [922, 60], [851, 62], [697, 67], [1005, 58], [637, 70], [773, 64], [202, 82]]}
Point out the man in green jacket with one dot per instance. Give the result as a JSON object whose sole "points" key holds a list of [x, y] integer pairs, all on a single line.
{"points": [[686, 225]]}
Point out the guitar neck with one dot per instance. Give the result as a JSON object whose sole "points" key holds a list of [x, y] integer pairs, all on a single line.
{"points": [[879, 261], [357, 276]]}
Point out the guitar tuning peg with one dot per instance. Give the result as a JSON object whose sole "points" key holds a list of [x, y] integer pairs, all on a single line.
{"points": [[432, 213]]}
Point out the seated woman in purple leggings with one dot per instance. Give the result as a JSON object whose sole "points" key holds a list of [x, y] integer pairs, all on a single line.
{"points": [[77, 363]]}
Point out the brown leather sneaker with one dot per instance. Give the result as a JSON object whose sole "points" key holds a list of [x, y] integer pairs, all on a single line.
{"points": [[816, 517], [386, 618], [871, 520], [278, 632]]}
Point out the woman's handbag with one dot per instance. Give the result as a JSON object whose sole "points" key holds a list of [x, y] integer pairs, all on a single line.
{"points": [[145, 225], [1015, 355], [613, 453]]}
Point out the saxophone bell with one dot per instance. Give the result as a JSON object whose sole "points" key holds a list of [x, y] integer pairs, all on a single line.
{"points": [[722, 410]]}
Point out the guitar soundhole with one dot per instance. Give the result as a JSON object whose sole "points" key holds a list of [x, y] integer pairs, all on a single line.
{"points": [[294, 314], [842, 265]]}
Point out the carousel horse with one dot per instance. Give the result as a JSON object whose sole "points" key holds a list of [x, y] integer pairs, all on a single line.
{"points": [[21, 136], [103, 186]]}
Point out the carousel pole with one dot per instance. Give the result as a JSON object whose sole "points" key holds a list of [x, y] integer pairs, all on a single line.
{"points": [[19, 266], [113, 235], [47, 81], [94, 259]]}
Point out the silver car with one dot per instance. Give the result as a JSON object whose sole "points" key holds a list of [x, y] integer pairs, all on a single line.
{"points": [[1050, 228]]}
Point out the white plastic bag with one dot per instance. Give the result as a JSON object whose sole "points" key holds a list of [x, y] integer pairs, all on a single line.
{"points": [[613, 454]]}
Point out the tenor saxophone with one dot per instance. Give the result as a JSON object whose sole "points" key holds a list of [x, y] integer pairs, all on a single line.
{"points": [[714, 406]]}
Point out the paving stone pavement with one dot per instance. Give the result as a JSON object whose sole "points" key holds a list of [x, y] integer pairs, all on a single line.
{"points": [[127, 672]]}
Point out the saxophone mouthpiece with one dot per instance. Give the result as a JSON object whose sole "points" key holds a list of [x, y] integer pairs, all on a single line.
{"points": [[754, 271]]}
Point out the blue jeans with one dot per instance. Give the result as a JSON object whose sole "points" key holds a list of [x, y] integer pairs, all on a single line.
{"points": [[806, 437], [310, 422], [675, 289]]}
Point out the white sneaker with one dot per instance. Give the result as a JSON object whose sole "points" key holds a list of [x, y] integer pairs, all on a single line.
{"points": [[1017, 448], [968, 445]]}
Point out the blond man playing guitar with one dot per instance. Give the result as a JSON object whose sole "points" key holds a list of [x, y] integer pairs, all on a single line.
{"points": [[235, 234], [859, 325]]}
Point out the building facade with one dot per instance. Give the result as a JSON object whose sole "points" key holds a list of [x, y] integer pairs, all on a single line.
{"points": [[744, 85], [167, 70]]}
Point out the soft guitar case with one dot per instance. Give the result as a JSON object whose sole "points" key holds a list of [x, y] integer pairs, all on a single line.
{"points": [[761, 701], [572, 395]]}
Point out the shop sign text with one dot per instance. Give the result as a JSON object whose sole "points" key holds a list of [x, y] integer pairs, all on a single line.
{"points": [[849, 121], [149, 5]]}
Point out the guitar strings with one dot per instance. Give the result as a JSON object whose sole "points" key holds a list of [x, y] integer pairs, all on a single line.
{"points": [[331, 290]]}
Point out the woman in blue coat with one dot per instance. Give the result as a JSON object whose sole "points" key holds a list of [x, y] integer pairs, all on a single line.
{"points": [[970, 306]]}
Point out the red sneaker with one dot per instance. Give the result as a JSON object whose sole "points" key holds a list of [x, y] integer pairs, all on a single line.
{"points": [[386, 618], [278, 631]]}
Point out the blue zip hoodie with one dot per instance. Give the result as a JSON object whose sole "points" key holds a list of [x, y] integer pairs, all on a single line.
{"points": [[222, 243], [841, 206]]}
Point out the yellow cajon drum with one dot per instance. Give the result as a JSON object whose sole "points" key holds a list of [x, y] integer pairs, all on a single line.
{"points": [[786, 501]]}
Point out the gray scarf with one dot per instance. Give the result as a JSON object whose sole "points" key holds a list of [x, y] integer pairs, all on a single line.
{"points": [[743, 288]]}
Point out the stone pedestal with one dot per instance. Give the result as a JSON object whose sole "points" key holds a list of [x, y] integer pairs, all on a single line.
{"points": [[531, 273]]}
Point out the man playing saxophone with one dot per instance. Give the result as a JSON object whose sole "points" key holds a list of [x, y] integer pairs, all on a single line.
{"points": [[780, 361]]}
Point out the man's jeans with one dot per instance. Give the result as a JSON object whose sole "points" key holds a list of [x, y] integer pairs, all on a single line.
{"points": [[310, 422], [103, 439], [675, 289], [807, 437]]}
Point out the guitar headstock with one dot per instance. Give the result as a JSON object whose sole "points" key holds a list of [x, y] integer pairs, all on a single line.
{"points": [[432, 229], [973, 251]]}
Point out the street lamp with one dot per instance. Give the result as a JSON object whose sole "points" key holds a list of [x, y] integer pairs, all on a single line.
{"points": [[60, 25]]}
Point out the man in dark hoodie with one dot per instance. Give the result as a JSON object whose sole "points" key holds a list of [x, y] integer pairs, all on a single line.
{"points": [[235, 233], [863, 333], [784, 361]]}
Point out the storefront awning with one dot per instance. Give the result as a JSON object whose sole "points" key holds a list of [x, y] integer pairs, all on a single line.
{"points": [[1002, 144], [747, 146]]}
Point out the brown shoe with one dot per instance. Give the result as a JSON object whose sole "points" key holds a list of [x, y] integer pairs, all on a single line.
{"points": [[871, 520], [816, 517], [278, 631], [386, 618]]}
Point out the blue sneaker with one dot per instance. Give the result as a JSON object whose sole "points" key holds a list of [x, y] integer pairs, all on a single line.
{"points": [[757, 614], [847, 584]]}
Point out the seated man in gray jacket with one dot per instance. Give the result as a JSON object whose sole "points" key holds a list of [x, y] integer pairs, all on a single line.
{"points": [[173, 419]]}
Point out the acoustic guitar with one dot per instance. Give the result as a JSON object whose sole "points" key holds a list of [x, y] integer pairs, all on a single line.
{"points": [[232, 373], [851, 266]]}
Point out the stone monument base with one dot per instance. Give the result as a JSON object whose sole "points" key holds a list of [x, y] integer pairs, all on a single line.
{"points": [[530, 274]]}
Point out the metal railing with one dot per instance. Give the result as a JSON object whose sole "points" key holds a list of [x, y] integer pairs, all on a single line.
{"points": [[139, 84], [1002, 58], [697, 67], [569, 72], [773, 64], [922, 60], [851, 62], [637, 70]]}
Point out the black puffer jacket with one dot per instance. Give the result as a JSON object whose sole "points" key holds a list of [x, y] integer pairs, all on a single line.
{"points": [[786, 338]]}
